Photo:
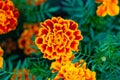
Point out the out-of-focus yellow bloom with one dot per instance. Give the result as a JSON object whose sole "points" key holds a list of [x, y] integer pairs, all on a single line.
{"points": [[70, 71], [35, 2], [1, 62], [8, 16], [58, 37], [20, 74], [25, 41], [109, 7]]}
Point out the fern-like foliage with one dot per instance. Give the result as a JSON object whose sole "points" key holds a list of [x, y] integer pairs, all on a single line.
{"points": [[34, 13], [40, 67], [107, 58]]}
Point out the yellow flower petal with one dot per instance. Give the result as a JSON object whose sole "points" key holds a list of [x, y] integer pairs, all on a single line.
{"points": [[1, 62], [113, 9]]}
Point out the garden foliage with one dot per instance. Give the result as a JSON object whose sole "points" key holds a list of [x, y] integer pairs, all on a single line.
{"points": [[37, 44]]}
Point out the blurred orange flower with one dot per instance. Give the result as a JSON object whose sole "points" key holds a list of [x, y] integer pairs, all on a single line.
{"points": [[35, 2], [22, 73], [25, 41], [8, 16], [109, 7], [8, 45], [58, 37], [70, 71]]}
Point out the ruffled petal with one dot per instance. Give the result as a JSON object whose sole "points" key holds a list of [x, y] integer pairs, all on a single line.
{"points": [[113, 9], [101, 10]]}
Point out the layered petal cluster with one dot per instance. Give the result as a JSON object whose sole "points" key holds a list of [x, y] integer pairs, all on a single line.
{"points": [[22, 73], [70, 71], [8, 45], [58, 37], [35, 2], [109, 7], [25, 41], [1, 58], [65, 58], [8, 16]]}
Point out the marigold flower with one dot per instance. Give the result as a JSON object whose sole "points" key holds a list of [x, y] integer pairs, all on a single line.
{"points": [[109, 7], [25, 41], [70, 71], [8, 16], [35, 2], [20, 74], [58, 37]]}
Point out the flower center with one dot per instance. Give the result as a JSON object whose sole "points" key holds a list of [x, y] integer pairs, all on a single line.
{"points": [[58, 39]]}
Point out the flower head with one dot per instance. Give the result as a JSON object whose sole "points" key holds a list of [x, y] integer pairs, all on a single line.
{"points": [[8, 16], [58, 37], [70, 71], [25, 41], [109, 7]]}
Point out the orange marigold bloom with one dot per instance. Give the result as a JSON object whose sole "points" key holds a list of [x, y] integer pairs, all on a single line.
{"points": [[20, 74], [35, 2], [70, 71], [8, 16], [109, 7], [58, 37], [25, 41]]}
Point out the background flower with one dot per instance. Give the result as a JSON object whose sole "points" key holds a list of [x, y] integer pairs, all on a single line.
{"points": [[8, 45], [8, 16], [109, 7], [22, 73], [25, 41]]}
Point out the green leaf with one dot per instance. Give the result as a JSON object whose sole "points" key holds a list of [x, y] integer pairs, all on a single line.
{"points": [[53, 9], [18, 65], [92, 33], [53, 75], [10, 66]]}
